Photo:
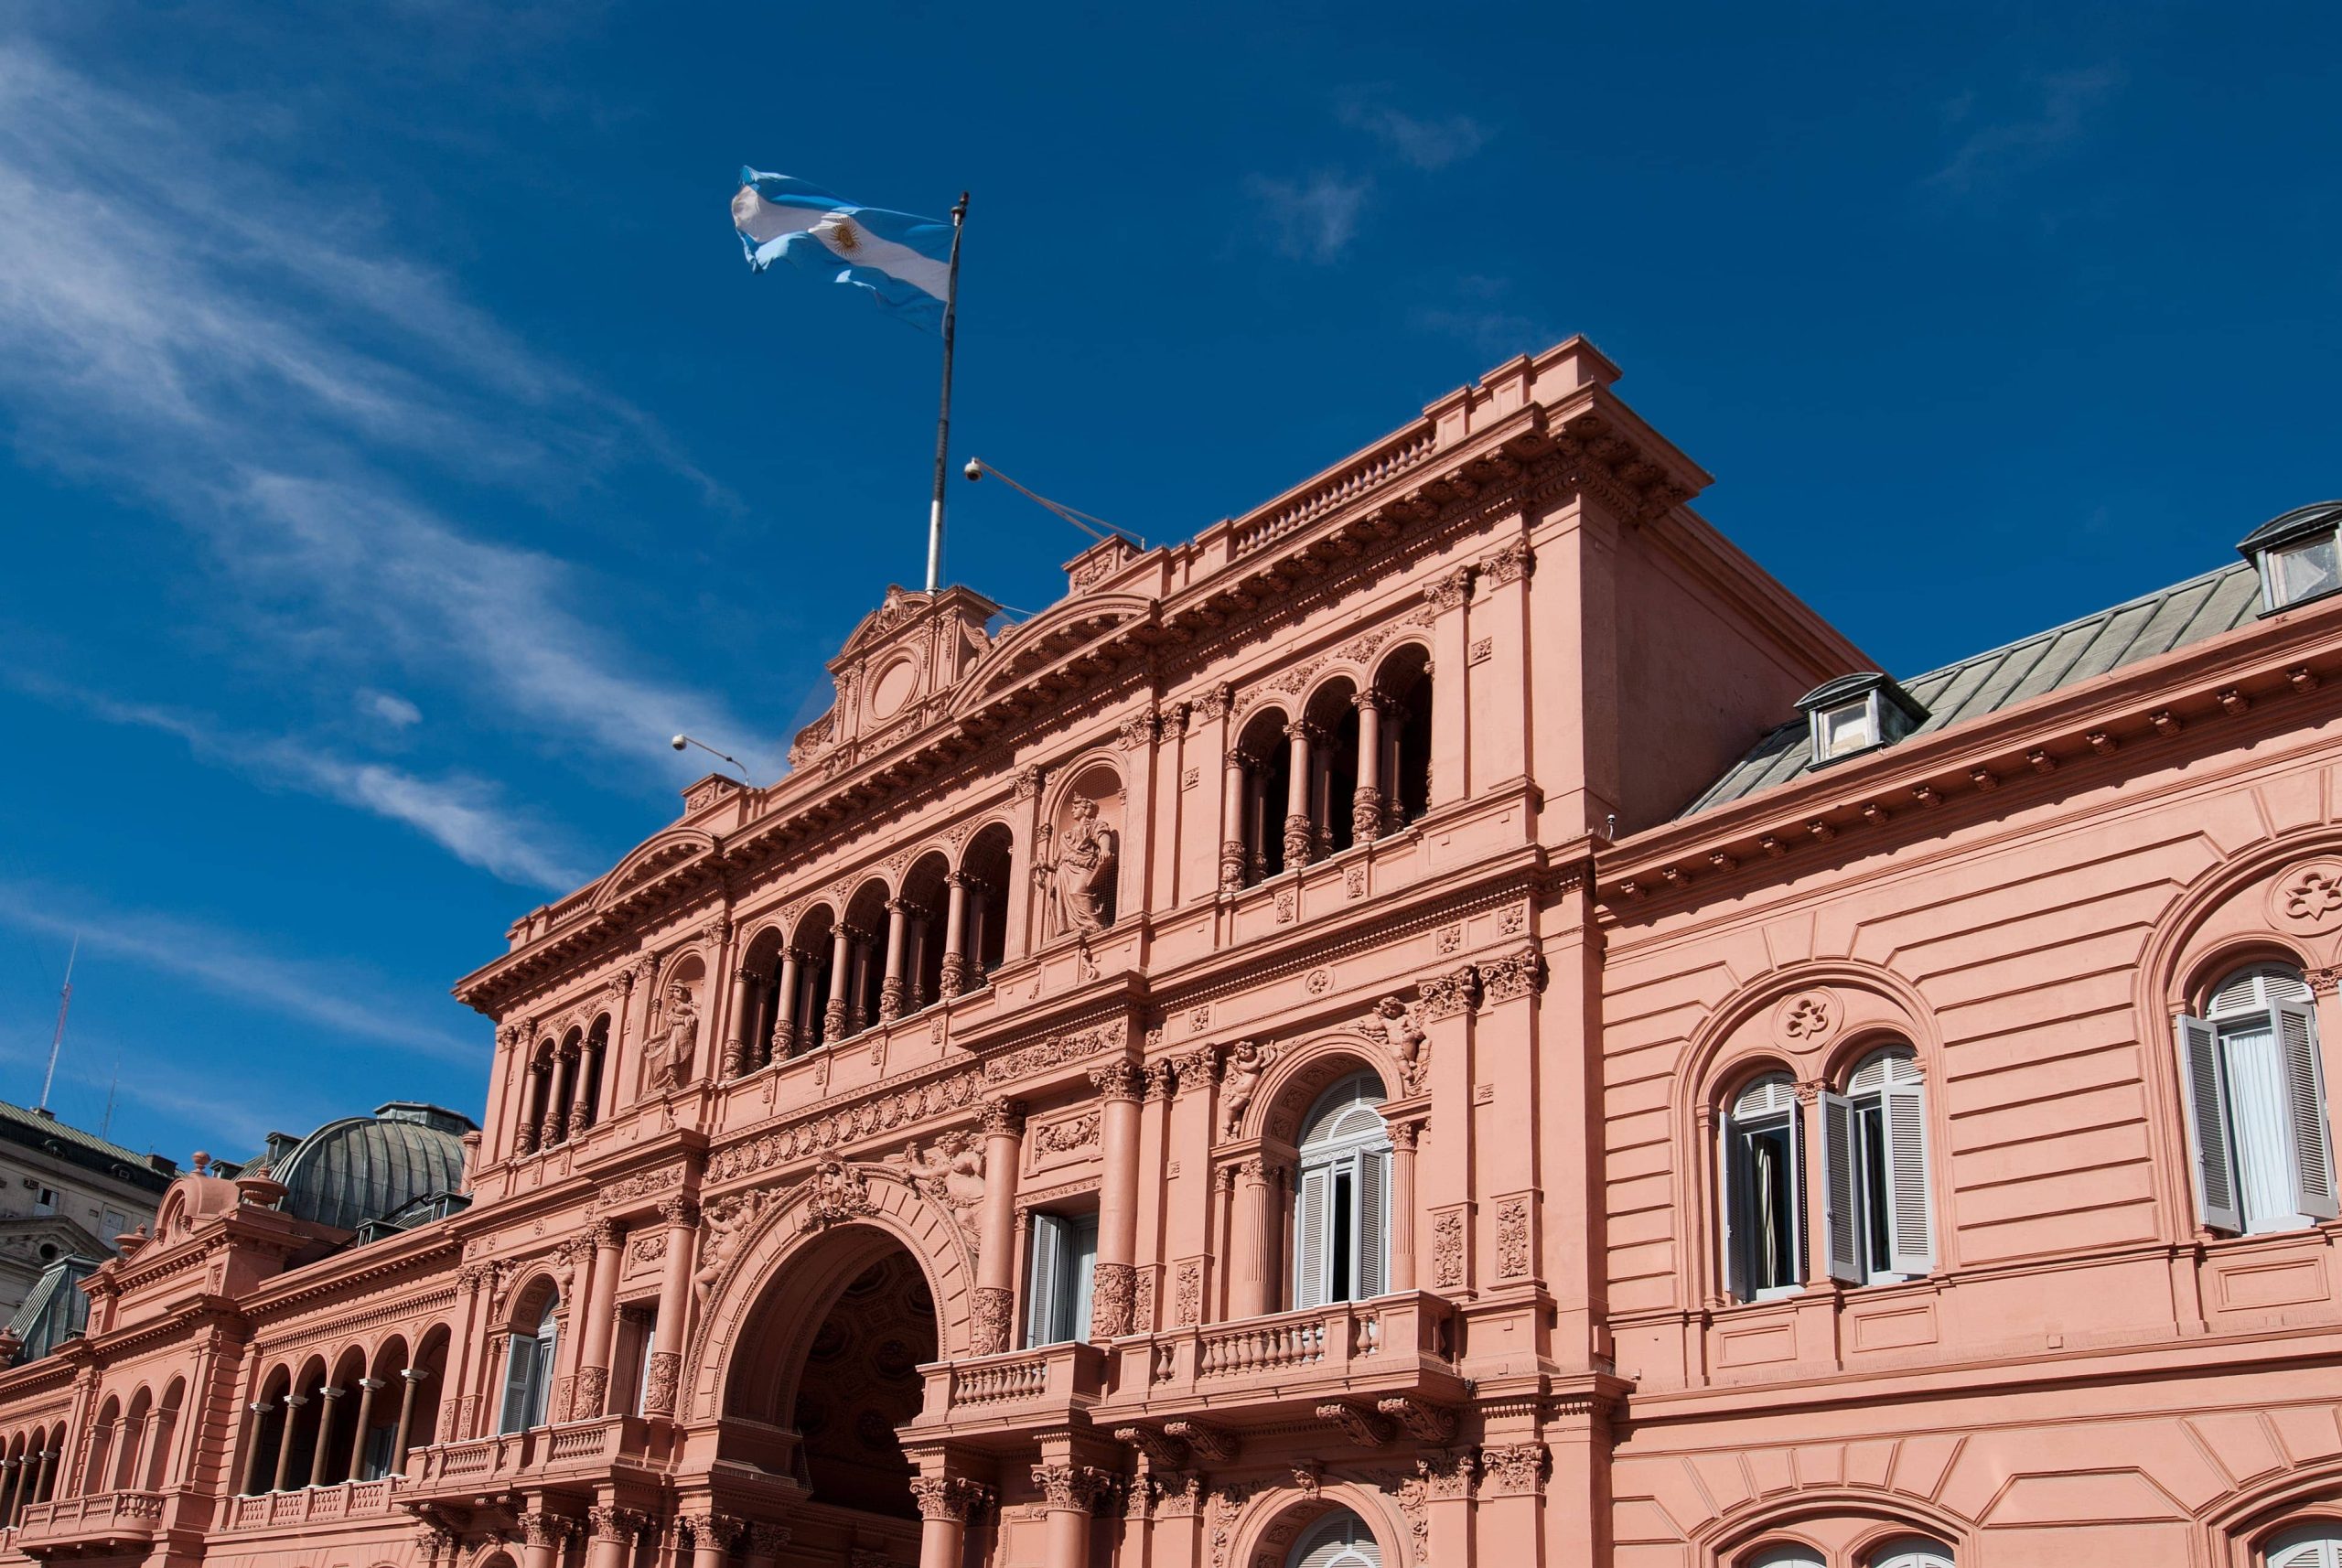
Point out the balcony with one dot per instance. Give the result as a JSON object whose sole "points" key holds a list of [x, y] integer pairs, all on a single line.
{"points": [[1011, 1393], [1258, 1371], [583, 1452], [108, 1521], [1283, 1365], [310, 1504]]}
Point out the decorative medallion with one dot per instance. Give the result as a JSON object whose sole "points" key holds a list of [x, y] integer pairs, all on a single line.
{"points": [[2306, 900]]}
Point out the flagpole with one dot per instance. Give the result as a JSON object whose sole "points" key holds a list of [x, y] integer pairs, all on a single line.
{"points": [[943, 419]]}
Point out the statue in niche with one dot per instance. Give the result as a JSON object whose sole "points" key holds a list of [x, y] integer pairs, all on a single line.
{"points": [[1081, 887], [667, 1055]]}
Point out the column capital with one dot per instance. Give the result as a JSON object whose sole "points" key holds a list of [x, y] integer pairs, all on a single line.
{"points": [[1072, 1487], [953, 1497], [412, 1375], [1005, 1117], [679, 1211], [371, 1384], [767, 1540], [1115, 1081], [607, 1236]]}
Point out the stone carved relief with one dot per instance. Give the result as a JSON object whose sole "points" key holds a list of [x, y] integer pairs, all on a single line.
{"points": [[1240, 1080], [839, 1193], [2306, 900], [849, 1124], [1067, 1136], [991, 1314], [1395, 1026], [1187, 1296], [1807, 1019], [1512, 1238], [1516, 1469], [1448, 1251], [1515, 975], [1113, 1293], [949, 1172]]}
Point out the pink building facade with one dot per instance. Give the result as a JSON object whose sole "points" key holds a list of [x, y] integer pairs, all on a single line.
{"points": [[1448, 1019]]}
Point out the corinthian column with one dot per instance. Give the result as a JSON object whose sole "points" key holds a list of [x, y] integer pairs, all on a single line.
{"points": [[840, 981], [784, 1002], [1299, 835], [945, 1502], [1068, 1492], [1232, 797], [601, 1312], [891, 989], [955, 930], [681, 1216], [1114, 1281], [996, 1251], [1366, 802], [1249, 1292]]}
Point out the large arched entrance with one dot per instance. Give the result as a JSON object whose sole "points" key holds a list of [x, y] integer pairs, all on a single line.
{"points": [[825, 1370]]}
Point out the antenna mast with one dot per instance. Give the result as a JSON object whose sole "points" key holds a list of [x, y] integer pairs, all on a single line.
{"points": [[57, 1042]]}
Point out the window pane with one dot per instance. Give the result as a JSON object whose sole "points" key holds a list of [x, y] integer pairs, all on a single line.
{"points": [[2256, 1105], [2300, 571], [1342, 1278], [1770, 1211], [1870, 1138], [1082, 1262], [1846, 728]]}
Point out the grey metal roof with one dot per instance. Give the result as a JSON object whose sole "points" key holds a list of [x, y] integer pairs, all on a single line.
{"points": [[55, 1309], [365, 1168], [37, 1129], [2046, 662]]}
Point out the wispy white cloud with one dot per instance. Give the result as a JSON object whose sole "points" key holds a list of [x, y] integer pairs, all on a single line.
{"points": [[1314, 219], [469, 817], [245, 354], [1423, 144], [233, 1120], [333, 997], [2061, 108], [1482, 314], [391, 708]]}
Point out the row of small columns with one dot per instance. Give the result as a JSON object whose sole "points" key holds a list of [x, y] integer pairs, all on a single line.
{"points": [[24, 1480], [321, 1451], [572, 1086], [966, 909], [1244, 811], [125, 1445]]}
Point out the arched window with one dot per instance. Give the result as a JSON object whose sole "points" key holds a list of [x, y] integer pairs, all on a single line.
{"points": [[2255, 1097], [1340, 1540], [1790, 1556], [1875, 1152], [1341, 1222], [1910, 1551], [2318, 1546], [528, 1372], [1760, 1166]]}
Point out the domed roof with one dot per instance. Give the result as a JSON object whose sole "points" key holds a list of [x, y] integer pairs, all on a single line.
{"points": [[366, 1167]]}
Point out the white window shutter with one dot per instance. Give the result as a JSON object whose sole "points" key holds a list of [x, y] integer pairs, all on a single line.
{"points": [[1373, 1223], [1042, 1281], [1910, 1218], [1311, 1213], [1081, 1274], [519, 1368], [2203, 1082], [1729, 1181], [1840, 1208], [2313, 1155]]}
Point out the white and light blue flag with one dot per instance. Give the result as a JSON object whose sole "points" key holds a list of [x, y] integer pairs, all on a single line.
{"points": [[902, 260]]}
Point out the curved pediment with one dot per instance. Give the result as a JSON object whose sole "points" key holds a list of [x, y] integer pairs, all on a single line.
{"points": [[651, 860], [1049, 637]]}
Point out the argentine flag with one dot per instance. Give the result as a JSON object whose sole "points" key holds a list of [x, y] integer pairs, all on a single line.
{"points": [[905, 261]]}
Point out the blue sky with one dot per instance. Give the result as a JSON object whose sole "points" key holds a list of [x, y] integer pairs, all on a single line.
{"points": [[394, 449]]}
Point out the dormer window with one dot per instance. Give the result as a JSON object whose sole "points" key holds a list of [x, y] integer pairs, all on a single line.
{"points": [[1857, 714], [2297, 555]]}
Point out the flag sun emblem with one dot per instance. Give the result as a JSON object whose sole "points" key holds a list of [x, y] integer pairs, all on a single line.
{"points": [[843, 235]]}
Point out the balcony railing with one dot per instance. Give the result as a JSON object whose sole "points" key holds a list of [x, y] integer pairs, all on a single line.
{"points": [[576, 1449], [1019, 1383], [105, 1519], [1383, 1344], [350, 1499], [1260, 1369]]}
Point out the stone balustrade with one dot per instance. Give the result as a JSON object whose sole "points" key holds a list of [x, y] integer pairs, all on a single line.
{"points": [[102, 1520], [306, 1505]]}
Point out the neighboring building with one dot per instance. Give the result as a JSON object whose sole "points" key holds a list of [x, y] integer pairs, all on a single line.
{"points": [[66, 1193], [1449, 1019]]}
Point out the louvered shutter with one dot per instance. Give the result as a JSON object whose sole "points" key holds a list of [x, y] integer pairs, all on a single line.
{"points": [[1841, 1209], [2203, 1082], [1045, 1276], [520, 1374], [2304, 1079], [1729, 1226], [1311, 1211], [1373, 1223], [1910, 1218]]}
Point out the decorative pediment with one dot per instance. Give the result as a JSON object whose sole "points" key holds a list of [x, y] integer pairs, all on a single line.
{"points": [[650, 861], [897, 669]]}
